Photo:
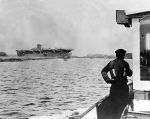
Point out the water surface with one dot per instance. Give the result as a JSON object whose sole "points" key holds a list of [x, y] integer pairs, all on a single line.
{"points": [[49, 87]]}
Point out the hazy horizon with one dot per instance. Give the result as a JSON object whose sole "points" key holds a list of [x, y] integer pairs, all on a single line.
{"points": [[87, 26]]}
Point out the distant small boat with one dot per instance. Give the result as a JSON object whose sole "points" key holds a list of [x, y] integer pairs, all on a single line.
{"points": [[65, 59]]}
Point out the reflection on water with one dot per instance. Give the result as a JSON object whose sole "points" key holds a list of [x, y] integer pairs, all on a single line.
{"points": [[49, 87]]}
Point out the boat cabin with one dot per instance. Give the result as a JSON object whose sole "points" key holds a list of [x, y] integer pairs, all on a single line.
{"points": [[139, 104]]}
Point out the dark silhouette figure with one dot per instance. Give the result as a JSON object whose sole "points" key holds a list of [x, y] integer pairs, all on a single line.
{"points": [[119, 92]]}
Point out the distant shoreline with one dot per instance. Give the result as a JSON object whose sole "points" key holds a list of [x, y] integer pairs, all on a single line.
{"points": [[20, 59]]}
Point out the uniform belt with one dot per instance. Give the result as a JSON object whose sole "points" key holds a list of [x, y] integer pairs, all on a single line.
{"points": [[121, 79]]}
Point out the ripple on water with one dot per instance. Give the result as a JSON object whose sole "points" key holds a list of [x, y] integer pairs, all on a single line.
{"points": [[46, 98], [29, 104]]}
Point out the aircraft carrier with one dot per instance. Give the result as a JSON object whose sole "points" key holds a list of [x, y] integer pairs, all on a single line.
{"points": [[40, 52]]}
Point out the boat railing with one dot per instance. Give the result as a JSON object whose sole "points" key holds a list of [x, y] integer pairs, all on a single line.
{"points": [[89, 109], [97, 104]]}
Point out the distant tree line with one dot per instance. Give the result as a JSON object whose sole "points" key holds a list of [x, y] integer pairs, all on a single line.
{"points": [[128, 56]]}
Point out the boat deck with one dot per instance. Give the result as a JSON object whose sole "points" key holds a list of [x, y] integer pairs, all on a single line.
{"points": [[138, 107], [102, 109]]}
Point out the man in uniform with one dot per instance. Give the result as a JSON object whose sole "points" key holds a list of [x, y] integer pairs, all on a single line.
{"points": [[119, 92]]}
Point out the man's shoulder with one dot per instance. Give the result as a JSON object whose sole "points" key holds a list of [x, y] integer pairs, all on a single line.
{"points": [[126, 62], [112, 62], [119, 61]]}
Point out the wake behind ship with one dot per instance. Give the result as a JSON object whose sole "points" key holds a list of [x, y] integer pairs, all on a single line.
{"points": [[40, 52]]}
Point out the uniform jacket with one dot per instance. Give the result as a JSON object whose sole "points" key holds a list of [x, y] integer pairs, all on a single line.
{"points": [[119, 70]]}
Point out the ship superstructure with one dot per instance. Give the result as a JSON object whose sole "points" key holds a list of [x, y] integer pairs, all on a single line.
{"points": [[40, 52]]}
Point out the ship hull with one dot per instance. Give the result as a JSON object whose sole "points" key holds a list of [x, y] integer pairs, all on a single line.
{"points": [[42, 53]]}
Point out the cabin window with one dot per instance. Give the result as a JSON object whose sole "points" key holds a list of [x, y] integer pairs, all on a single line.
{"points": [[145, 49]]}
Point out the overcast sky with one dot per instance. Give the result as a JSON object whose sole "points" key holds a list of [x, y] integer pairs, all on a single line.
{"points": [[87, 26]]}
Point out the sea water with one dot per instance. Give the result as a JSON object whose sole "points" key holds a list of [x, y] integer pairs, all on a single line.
{"points": [[50, 89]]}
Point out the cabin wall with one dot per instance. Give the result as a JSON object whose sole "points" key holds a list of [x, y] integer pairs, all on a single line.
{"points": [[136, 55]]}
